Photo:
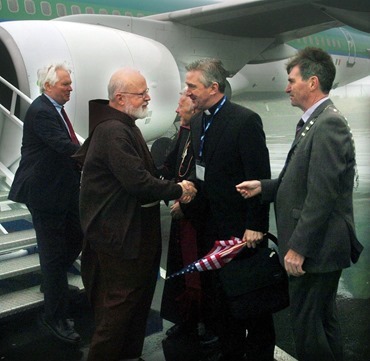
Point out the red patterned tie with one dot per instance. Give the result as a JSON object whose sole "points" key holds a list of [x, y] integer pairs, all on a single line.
{"points": [[72, 133]]}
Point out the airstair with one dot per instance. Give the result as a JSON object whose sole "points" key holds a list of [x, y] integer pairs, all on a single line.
{"points": [[20, 275]]}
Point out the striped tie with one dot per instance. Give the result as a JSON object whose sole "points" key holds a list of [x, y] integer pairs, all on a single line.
{"points": [[299, 127]]}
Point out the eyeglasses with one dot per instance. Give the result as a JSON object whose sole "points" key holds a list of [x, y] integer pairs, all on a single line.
{"points": [[143, 94]]}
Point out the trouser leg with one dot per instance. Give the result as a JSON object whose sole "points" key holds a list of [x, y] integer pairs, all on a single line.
{"points": [[314, 316], [58, 248]]}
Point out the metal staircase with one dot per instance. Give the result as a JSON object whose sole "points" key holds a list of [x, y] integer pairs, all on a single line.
{"points": [[20, 274]]}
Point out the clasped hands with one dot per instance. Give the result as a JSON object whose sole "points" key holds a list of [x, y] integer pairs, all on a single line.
{"points": [[188, 191]]}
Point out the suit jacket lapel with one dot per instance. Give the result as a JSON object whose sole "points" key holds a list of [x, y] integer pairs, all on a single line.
{"points": [[311, 121], [56, 113], [306, 128], [217, 129]]}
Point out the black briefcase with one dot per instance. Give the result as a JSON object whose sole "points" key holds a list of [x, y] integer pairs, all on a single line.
{"points": [[255, 283]]}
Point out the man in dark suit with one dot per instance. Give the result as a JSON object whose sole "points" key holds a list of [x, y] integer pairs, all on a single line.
{"points": [[47, 181], [229, 144], [314, 207]]}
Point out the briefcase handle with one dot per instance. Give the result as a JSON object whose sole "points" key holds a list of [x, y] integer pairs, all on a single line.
{"points": [[271, 237]]}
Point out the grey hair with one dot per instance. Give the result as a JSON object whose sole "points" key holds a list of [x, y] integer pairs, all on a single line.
{"points": [[48, 74], [120, 81], [115, 85], [212, 71]]}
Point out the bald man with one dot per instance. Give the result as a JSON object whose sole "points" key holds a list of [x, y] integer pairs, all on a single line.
{"points": [[120, 218]]}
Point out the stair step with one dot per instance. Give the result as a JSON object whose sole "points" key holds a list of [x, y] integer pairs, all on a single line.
{"points": [[15, 302], [14, 214], [17, 266], [3, 196], [17, 240]]}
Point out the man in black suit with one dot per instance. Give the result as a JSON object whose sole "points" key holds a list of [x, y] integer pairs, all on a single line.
{"points": [[313, 198], [47, 181], [229, 144]]}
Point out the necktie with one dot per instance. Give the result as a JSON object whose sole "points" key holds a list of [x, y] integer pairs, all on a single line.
{"points": [[72, 133], [299, 127]]}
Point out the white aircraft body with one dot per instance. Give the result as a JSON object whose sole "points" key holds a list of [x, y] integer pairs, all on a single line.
{"points": [[253, 38]]}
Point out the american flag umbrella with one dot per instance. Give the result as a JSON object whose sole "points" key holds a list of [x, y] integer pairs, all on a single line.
{"points": [[221, 253]]}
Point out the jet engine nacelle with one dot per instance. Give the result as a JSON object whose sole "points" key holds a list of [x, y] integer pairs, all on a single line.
{"points": [[93, 53]]}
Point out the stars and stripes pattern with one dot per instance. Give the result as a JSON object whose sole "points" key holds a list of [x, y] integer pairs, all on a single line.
{"points": [[222, 252]]}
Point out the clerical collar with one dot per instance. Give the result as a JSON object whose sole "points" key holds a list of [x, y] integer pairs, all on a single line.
{"points": [[213, 108]]}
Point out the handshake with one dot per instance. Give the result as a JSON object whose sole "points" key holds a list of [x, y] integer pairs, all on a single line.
{"points": [[188, 191]]}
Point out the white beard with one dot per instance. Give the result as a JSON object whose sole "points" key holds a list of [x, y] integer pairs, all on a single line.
{"points": [[136, 113]]}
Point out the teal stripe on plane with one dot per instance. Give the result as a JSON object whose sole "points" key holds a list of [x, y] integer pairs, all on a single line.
{"points": [[131, 7], [334, 41], [155, 6]]}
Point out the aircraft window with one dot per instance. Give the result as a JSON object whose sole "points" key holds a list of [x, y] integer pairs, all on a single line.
{"points": [[89, 10], [61, 10], [103, 11], [13, 6], [45, 8], [75, 9], [116, 12], [29, 6]]}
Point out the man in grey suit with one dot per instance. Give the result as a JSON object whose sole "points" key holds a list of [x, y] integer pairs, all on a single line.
{"points": [[314, 207]]}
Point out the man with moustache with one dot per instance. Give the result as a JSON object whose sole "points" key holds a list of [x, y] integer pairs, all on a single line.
{"points": [[120, 217]]}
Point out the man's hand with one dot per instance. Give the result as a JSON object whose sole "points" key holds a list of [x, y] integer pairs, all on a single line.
{"points": [[252, 238], [249, 189], [188, 191], [293, 262]]}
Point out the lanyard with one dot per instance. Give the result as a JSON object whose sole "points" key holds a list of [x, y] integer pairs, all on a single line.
{"points": [[206, 126]]}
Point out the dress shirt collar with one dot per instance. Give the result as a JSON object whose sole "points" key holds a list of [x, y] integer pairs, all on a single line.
{"points": [[310, 110], [57, 106]]}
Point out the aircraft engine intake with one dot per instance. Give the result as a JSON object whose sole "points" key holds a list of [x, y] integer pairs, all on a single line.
{"points": [[93, 53]]}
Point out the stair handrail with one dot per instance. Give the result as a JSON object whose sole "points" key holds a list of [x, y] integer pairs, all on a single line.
{"points": [[11, 111], [10, 114], [15, 93]]}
